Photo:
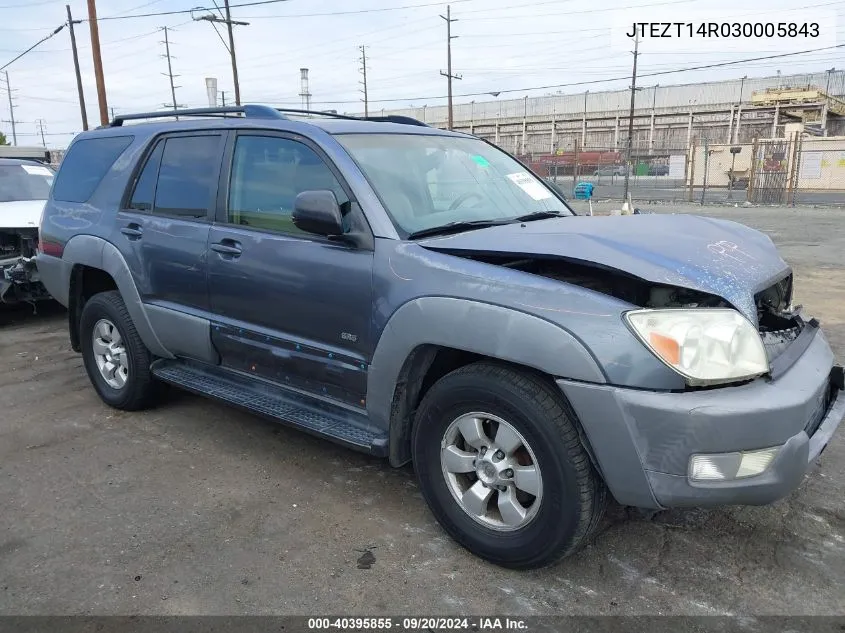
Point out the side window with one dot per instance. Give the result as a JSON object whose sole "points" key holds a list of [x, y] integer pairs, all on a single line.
{"points": [[187, 176], [267, 174], [145, 187], [84, 166]]}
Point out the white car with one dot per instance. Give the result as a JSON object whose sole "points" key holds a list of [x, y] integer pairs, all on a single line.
{"points": [[24, 187]]}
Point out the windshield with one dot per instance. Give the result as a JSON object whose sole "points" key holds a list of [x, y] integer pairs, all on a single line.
{"points": [[25, 182], [427, 181]]}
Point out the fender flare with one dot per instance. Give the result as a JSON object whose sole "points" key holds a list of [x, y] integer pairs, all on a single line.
{"points": [[99, 253], [472, 326]]}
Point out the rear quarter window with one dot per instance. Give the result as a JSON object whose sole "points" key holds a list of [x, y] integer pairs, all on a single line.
{"points": [[85, 165]]}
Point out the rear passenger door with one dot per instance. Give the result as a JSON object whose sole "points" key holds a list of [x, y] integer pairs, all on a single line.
{"points": [[288, 306], [163, 226]]}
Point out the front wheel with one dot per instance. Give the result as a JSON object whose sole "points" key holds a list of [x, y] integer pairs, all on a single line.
{"points": [[501, 465]]}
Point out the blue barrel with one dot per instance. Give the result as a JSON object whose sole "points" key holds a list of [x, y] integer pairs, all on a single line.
{"points": [[584, 191]]}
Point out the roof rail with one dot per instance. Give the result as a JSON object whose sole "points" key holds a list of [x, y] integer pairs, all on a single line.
{"points": [[256, 112], [249, 111], [392, 118], [396, 118]]}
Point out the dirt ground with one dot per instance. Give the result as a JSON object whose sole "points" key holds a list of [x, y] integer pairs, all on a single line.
{"points": [[195, 508]]}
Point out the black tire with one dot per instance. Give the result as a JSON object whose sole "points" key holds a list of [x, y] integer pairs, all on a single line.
{"points": [[573, 498], [138, 391]]}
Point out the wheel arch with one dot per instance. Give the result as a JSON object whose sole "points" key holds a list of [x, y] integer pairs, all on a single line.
{"points": [[98, 262], [443, 333]]}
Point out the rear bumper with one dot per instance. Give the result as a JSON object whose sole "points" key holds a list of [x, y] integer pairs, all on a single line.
{"points": [[55, 275], [643, 440]]}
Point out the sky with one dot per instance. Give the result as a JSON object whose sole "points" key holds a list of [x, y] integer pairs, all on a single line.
{"points": [[501, 45]]}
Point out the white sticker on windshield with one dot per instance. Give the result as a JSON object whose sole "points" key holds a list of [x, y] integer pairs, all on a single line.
{"points": [[530, 186], [37, 170]]}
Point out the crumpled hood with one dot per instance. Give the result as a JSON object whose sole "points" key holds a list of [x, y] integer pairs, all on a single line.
{"points": [[719, 257], [21, 214]]}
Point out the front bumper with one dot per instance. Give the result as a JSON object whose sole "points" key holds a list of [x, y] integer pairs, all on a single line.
{"points": [[20, 281], [642, 441]]}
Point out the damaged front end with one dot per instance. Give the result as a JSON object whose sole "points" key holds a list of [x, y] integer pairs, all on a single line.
{"points": [[19, 279], [778, 322]]}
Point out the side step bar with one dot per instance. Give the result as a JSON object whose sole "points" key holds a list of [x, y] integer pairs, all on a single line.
{"points": [[280, 404]]}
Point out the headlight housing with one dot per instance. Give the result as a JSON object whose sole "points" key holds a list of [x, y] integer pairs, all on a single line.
{"points": [[706, 346]]}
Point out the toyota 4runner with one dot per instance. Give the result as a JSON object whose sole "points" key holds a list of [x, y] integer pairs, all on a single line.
{"points": [[419, 294]]}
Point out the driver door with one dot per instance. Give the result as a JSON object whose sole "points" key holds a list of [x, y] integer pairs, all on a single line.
{"points": [[289, 306]]}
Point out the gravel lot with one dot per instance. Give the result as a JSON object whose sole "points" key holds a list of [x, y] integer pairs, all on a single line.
{"points": [[195, 508]]}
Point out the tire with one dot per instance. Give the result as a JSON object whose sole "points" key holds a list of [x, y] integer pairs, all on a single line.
{"points": [[138, 389], [567, 505]]}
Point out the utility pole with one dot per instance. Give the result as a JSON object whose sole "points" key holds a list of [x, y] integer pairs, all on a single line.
{"points": [[98, 63], [11, 110], [223, 97], [364, 72], [70, 23], [448, 74], [631, 119], [229, 22], [40, 123], [232, 54], [170, 75]]}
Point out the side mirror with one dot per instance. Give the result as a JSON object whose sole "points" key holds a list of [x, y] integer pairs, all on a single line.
{"points": [[317, 212]]}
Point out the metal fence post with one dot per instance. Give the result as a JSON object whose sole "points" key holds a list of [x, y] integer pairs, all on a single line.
{"points": [[691, 169], [753, 175], [706, 161], [795, 165], [575, 165]]}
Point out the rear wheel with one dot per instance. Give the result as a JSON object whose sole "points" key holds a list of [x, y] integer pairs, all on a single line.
{"points": [[501, 465], [117, 361]]}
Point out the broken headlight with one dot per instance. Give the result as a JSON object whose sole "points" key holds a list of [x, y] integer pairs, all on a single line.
{"points": [[705, 345]]}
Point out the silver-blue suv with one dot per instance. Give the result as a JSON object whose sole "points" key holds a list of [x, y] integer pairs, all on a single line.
{"points": [[419, 294]]}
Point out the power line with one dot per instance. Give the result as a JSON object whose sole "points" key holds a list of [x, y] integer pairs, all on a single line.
{"points": [[591, 81], [653, 74], [27, 5], [189, 11], [41, 41], [356, 11]]}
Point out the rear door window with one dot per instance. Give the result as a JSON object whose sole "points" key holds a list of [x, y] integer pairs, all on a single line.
{"points": [[84, 166], [187, 175], [145, 187]]}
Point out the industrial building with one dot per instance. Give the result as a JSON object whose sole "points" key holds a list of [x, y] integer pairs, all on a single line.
{"points": [[666, 118]]}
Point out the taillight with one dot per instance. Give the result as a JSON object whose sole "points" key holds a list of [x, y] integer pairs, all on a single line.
{"points": [[53, 249]]}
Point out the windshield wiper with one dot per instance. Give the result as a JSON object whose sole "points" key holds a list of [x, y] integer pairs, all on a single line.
{"points": [[538, 215], [456, 227]]}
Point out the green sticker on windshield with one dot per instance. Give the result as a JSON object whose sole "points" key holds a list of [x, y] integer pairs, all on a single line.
{"points": [[481, 161]]}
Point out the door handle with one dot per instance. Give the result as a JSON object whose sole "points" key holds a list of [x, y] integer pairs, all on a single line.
{"points": [[227, 247], [132, 231]]}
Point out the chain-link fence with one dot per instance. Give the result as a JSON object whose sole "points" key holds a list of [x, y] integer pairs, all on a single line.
{"points": [[654, 174], [798, 170]]}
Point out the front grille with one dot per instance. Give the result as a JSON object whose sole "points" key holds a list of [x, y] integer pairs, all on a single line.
{"points": [[776, 341], [777, 327]]}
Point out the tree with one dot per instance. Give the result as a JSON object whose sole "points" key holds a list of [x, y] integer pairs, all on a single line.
{"points": [[3, 140]]}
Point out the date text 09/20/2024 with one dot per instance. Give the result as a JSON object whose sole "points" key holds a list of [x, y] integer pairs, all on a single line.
{"points": [[417, 623]]}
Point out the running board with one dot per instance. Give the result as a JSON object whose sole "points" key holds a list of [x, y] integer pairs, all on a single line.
{"points": [[283, 405]]}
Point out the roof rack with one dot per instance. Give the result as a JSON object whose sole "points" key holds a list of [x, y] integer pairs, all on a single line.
{"points": [[249, 111], [256, 112]]}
